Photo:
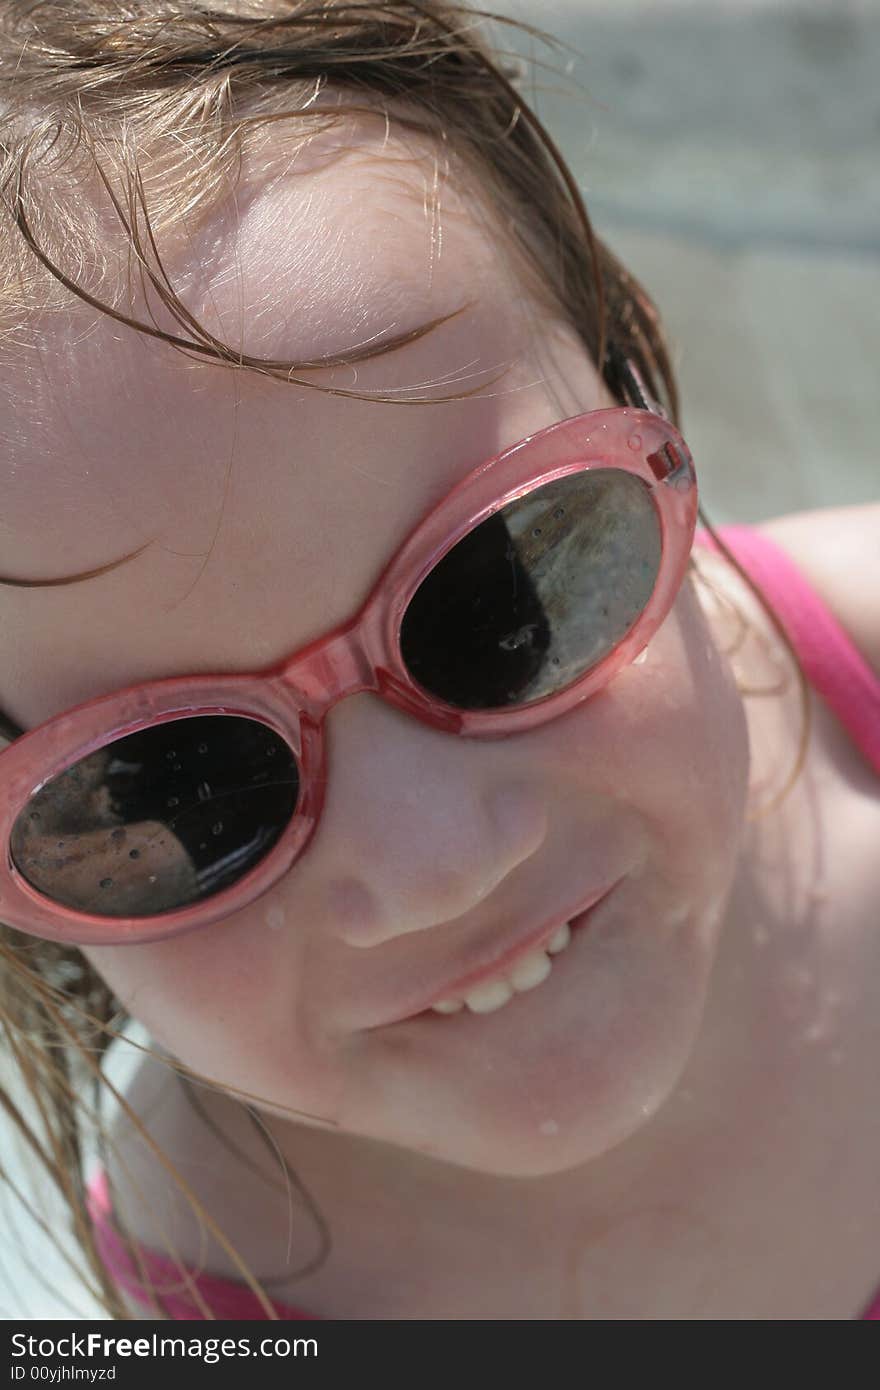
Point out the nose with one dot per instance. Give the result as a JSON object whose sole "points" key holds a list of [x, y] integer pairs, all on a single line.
{"points": [[418, 825]]}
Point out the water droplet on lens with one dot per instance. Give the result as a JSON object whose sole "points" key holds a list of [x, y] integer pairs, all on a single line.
{"points": [[171, 756], [537, 531], [204, 791], [176, 767], [203, 845], [106, 883], [152, 878], [635, 441], [117, 835], [60, 844], [173, 801], [217, 828], [560, 511], [35, 815], [203, 747], [271, 751], [134, 854]]}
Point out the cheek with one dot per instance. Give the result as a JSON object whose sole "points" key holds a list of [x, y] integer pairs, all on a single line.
{"points": [[224, 1001], [178, 987], [668, 739]]}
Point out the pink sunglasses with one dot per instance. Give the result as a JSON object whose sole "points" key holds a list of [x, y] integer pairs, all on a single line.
{"points": [[170, 805]]}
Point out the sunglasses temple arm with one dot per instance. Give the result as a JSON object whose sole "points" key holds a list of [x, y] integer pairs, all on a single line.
{"points": [[628, 380], [9, 731]]}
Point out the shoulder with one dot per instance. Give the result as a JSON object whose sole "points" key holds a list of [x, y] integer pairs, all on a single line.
{"points": [[837, 549]]}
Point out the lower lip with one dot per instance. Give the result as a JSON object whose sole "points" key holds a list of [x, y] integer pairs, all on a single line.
{"points": [[461, 1015]]}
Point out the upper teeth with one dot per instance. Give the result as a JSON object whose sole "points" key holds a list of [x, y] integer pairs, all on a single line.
{"points": [[525, 974]]}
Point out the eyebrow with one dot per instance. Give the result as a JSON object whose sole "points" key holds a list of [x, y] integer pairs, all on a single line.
{"points": [[72, 578]]}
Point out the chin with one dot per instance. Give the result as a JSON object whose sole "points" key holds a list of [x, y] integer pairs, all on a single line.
{"points": [[531, 1101], [517, 1145]]}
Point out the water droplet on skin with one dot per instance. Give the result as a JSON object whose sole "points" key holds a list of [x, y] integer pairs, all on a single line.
{"points": [[635, 441], [106, 883], [642, 657], [816, 1032], [275, 918]]}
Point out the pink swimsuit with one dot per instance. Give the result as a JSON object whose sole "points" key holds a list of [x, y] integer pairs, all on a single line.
{"points": [[850, 689]]}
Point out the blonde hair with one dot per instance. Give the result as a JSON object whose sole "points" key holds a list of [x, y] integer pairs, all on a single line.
{"points": [[159, 102]]}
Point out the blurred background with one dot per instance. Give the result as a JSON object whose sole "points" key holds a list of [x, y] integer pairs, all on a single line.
{"points": [[728, 152]]}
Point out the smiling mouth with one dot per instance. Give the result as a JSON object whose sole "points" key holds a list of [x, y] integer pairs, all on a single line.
{"points": [[524, 969]]}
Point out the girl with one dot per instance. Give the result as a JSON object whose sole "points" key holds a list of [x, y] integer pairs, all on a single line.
{"points": [[497, 897]]}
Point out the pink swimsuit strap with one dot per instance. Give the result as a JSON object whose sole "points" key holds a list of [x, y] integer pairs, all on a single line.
{"points": [[831, 661], [176, 1288]]}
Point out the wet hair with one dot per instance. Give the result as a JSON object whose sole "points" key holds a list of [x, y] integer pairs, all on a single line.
{"points": [[154, 107]]}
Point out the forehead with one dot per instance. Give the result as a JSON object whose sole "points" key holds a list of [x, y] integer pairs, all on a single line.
{"points": [[269, 508]]}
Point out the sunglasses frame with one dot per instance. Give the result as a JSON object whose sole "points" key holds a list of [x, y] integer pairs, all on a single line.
{"points": [[294, 696]]}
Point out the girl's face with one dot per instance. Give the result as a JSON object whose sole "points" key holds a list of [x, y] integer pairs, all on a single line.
{"points": [[271, 510]]}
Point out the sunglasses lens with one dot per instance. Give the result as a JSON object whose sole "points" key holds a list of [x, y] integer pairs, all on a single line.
{"points": [[536, 595], [160, 818]]}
